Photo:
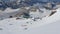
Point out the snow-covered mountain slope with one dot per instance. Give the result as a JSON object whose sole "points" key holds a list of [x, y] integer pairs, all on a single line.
{"points": [[11, 12], [33, 12], [8, 12], [40, 13], [46, 29], [31, 26]]}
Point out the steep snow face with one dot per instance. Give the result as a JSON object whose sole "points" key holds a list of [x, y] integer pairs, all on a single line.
{"points": [[8, 12], [40, 13], [12, 12]]}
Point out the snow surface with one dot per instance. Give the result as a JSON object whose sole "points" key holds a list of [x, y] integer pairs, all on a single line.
{"points": [[48, 25]]}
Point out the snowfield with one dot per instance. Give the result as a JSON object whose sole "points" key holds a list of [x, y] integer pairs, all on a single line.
{"points": [[48, 25]]}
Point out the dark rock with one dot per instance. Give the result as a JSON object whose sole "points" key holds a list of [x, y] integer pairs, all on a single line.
{"points": [[17, 18], [52, 13], [11, 17], [26, 15]]}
